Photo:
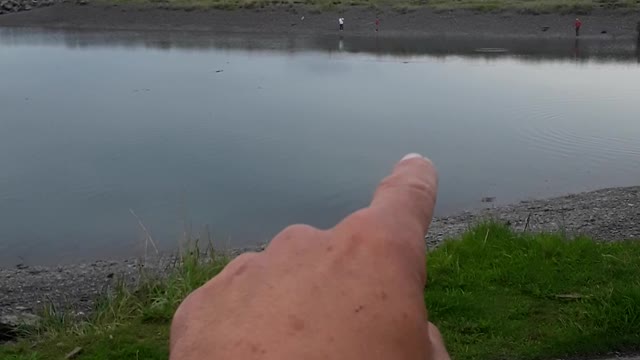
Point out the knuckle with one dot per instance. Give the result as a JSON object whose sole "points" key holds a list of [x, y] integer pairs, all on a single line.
{"points": [[362, 229], [293, 239], [294, 232], [359, 218], [182, 312], [240, 264], [243, 259], [298, 229], [182, 317], [421, 187], [412, 184], [389, 182]]}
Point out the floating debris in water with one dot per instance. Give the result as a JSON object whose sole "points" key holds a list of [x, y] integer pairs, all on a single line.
{"points": [[488, 199]]}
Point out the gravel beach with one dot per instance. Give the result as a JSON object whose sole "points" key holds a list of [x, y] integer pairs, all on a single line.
{"points": [[300, 20], [605, 215]]}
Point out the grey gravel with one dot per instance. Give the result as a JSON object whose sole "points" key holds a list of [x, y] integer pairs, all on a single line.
{"points": [[28, 289], [8, 6], [605, 215]]}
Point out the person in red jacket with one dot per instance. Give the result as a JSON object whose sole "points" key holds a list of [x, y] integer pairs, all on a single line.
{"points": [[578, 25]]}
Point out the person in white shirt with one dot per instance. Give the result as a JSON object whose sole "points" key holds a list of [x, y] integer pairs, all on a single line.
{"points": [[341, 23]]}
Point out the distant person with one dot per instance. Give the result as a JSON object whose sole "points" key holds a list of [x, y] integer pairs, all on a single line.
{"points": [[377, 23], [341, 23], [578, 25]]}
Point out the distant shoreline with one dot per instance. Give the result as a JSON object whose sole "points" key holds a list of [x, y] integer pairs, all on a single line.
{"points": [[607, 215], [300, 20]]}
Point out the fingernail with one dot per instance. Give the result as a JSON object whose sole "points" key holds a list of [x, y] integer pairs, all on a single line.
{"points": [[411, 156]]}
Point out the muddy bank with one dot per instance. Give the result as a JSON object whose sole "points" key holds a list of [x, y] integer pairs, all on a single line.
{"points": [[606, 215], [301, 20]]}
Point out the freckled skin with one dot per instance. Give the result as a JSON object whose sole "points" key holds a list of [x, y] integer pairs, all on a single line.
{"points": [[297, 324], [354, 291]]}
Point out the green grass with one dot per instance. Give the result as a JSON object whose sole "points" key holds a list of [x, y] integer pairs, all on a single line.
{"points": [[128, 323], [497, 294], [494, 293], [523, 6]]}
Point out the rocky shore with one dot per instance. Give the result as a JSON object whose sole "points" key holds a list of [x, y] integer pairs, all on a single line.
{"points": [[605, 215], [300, 20], [9, 6]]}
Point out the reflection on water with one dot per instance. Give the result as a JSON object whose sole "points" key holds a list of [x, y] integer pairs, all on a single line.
{"points": [[605, 48], [192, 129]]}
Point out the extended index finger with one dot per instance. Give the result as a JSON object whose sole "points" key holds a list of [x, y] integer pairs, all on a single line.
{"points": [[398, 217], [407, 196], [402, 205]]}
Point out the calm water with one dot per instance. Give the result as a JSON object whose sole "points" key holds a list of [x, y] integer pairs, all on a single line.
{"points": [[291, 130]]}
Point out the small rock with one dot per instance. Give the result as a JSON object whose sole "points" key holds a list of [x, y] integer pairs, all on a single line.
{"points": [[19, 320]]}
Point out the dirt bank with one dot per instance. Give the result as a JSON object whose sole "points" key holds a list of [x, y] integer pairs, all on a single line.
{"points": [[304, 21], [606, 215]]}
